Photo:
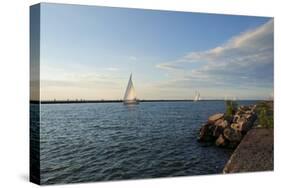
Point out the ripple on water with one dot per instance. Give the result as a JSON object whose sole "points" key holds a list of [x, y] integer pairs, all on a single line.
{"points": [[97, 142]]}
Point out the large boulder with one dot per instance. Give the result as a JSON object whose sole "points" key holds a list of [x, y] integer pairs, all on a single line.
{"points": [[236, 117], [221, 123], [248, 116], [220, 141], [244, 123], [244, 108], [235, 126], [239, 124], [217, 131], [206, 133], [249, 122], [252, 118], [239, 113], [212, 119], [232, 135]]}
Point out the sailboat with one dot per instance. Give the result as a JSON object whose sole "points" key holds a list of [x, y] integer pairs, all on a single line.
{"points": [[225, 98], [197, 97], [130, 96]]}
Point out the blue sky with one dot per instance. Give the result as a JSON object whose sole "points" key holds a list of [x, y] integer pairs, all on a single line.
{"points": [[89, 52]]}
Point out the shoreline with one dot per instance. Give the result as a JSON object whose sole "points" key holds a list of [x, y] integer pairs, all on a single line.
{"points": [[121, 101]]}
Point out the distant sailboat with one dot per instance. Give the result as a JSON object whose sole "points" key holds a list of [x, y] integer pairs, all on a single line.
{"points": [[197, 97], [225, 98], [130, 96]]}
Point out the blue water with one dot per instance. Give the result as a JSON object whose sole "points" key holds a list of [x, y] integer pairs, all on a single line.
{"points": [[111, 141]]}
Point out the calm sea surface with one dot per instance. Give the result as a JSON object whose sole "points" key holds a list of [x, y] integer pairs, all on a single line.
{"points": [[111, 141]]}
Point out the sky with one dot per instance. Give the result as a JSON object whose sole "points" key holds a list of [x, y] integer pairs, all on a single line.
{"points": [[89, 52]]}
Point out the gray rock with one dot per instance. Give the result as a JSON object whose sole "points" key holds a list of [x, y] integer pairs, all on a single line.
{"points": [[220, 141], [221, 123], [217, 131], [232, 135], [236, 117], [228, 131], [206, 133]]}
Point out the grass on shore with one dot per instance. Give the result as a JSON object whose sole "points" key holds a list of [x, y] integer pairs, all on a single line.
{"points": [[264, 111], [231, 108]]}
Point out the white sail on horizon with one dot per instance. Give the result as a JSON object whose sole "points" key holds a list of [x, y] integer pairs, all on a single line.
{"points": [[130, 94], [197, 96]]}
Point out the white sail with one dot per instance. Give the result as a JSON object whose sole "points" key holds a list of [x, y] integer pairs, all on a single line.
{"points": [[130, 96], [197, 96]]}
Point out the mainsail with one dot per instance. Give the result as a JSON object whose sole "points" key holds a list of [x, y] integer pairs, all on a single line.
{"points": [[130, 96], [197, 97]]}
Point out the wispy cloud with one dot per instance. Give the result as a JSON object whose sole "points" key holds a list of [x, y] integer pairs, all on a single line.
{"points": [[112, 69], [246, 59], [168, 66]]}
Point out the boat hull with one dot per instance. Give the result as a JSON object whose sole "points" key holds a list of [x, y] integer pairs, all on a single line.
{"points": [[134, 102]]}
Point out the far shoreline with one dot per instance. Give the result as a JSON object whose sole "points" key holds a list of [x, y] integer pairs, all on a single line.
{"points": [[121, 101]]}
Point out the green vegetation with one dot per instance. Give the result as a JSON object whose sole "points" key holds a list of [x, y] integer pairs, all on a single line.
{"points": [[231, 108], [265, 114]]}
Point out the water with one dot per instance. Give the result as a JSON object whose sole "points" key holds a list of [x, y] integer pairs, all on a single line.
{"points": [[111, 141]]}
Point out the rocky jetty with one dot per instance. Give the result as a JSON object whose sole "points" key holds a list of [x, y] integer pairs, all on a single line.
{"points": [[228, 131]]}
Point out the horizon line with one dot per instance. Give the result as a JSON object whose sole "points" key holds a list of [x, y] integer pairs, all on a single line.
{"points": [[141, 100]]}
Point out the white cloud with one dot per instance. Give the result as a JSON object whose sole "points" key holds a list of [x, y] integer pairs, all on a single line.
{"points": [[168, 66], [246, 59], [255, 44]]}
